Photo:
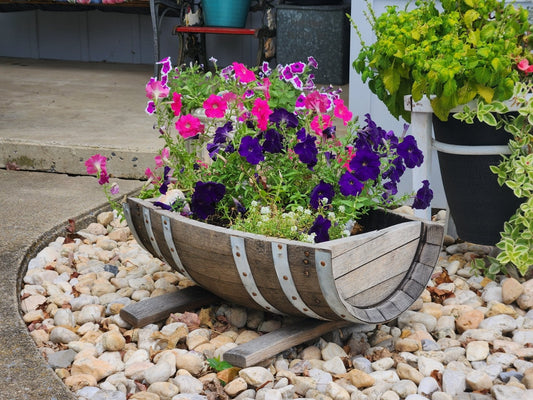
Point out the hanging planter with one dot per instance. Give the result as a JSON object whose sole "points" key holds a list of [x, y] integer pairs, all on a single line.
{"points": [[226, 13]]}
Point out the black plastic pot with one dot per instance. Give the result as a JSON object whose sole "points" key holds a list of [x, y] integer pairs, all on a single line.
{"points": [[478, 204]]}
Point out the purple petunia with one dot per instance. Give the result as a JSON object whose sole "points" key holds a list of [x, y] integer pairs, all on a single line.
{"points": [[251, 150], [365, 165], [222, 132], [282, 116], [320, 228], [273, 142], [424, 195], [410, 153], [320, 192], [306, 149], [205, 197], [167, 179], [395, 171], [350, 185]]}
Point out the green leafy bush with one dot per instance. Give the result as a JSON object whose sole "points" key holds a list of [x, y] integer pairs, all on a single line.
{"points": [[466, 50]]}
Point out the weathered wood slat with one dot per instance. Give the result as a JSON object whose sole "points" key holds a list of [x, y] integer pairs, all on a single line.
{"points": [[158, 308], [429, 254], [413, 288], [380, 269], [391, 239], [272, 343], [377, 293]]}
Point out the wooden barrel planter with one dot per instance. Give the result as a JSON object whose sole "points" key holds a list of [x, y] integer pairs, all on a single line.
{"points": [[368, 278]]}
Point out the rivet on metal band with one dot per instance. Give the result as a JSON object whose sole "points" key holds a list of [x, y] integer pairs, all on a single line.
{"points": [[245, 273], [327, 285], [283, 271], [149, 231], [169, 239]]}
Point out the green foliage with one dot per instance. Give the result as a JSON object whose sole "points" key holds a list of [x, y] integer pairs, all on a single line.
{"points": [[218, 365], [468, 50], [516, 172]]}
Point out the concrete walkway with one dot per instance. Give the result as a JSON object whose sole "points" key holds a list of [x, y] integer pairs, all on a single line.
{"points": [[53, 116]]}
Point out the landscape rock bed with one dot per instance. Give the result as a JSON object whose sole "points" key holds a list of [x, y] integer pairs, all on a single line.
{"points": [[466, 338]]}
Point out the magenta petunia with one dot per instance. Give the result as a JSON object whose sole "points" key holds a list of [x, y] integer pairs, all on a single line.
{"points": [[176, 103], [150, 107], [215, 106], [96, 164], [261, 111], [243, 74], [189, 126]]}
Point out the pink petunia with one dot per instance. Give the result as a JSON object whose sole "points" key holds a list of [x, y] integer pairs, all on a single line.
{"points": [[320, 122], [261, 111], [525, 66], [244, 75], [96, 164], [189, 126], [349, 156], [316, 101], [342, 112], [162, 158], [215, 106], [156, 90], [176, 103]]}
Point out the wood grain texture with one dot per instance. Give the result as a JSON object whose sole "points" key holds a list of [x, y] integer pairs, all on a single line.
{"points": [[272, 343], [376, 246], [158, 308], [374, 273]]}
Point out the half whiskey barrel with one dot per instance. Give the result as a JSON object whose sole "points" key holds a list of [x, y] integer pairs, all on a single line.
{"points": [[367, 278]]}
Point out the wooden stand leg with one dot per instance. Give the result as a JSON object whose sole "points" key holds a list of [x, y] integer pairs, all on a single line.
{"points": [[158, 308], [270, 344]]}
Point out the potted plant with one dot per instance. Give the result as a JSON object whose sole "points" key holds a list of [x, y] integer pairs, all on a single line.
{"points": [[270, 217], [453, 53]]}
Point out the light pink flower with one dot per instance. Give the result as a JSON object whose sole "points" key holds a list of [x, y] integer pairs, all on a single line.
{"points": [[189, 126], [176, 103], [342, 112], [261, 111], [156, 90], [114, 188], [96, 164], [215, 106], [162, 158], [244, 75]]}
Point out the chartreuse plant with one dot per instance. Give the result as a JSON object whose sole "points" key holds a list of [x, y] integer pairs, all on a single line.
{"points": [[515, 171], [453, 53]]}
